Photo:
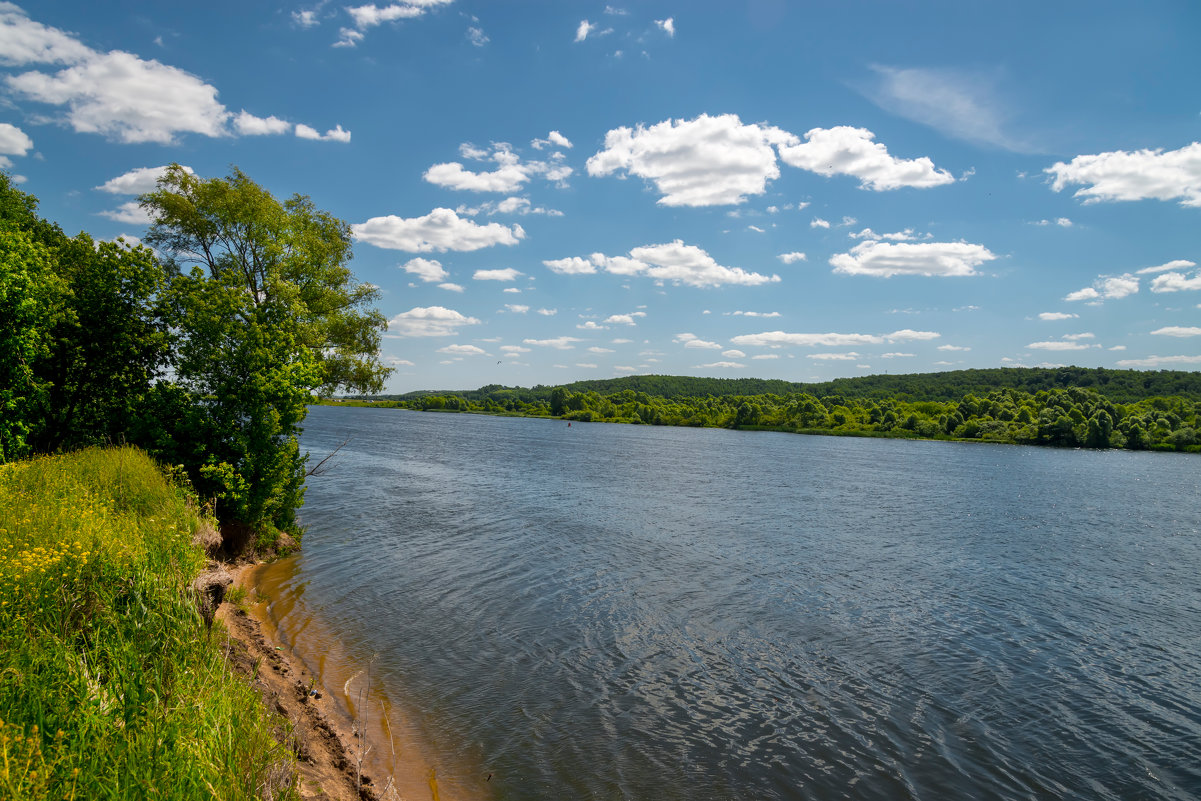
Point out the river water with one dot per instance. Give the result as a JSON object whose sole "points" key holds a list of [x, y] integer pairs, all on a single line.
{"points": [[629, 612]]}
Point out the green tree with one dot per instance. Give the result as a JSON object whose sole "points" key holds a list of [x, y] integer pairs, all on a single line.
{"points": [[266, 313]]}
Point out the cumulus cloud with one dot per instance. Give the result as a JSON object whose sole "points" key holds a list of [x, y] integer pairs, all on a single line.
{"points": [[1159, 361], [886, 259], [553, 139], [623, 319], [558, 343], [1176, 282], [775, 339], [693, 341], [844, 150], [137, 181], [818, 222], [1178, 331], [517, 308], [753, 314], [13, 142], [336, 134], [572, 265], [668, 26], [510, 175], [720, 366], [451, 287], [1059, 345], [1057, 316], [440, 230], [898, 236], [463, 350], [504, 274], [674, 262], [718, 160], [247, 124], [953, 347], [708, 161], [791, 258], [369, 16], [1137, 175], [1106, 288], [130, 213], [428, 321], [115, 94], [428, 270], [597, 349], [1062, 222]]}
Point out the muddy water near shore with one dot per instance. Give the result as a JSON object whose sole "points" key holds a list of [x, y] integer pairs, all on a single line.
{"points": [[389, 740]]}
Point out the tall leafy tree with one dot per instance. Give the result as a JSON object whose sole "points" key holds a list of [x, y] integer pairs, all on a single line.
{"points": [[266, 313]]}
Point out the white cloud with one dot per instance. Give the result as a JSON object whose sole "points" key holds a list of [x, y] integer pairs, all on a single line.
{"points": [[674, 261], [1159, 361], [1175, 264], [440, 230], [595, 349], [953, 347], [553, 139], [558, 343], [572, 265], [1106, 288], [1058, 345], [708, 161], [517, 308], [721, 366], [306, 18], [896, 355], [130, 213], [1062, 222], [791, 258], [428, 321], [583, 29], [451, 287], [510, 175], [898, 236], [844, 150], [127, 99], [247, 124], [693, 341], [1176, 282], [137, 181], [885, 259], [831, 340], [1057, 316], [909, 335], [1138, 175], [1178, 331], [668, 26], [1073, 337], [14, 141], [514, 349], [840, 357], [592, 325], [336, 134], [428, 270], [503, 274], [623, 319], [548, 312], [463, 350], [476, 36], [753, 314], [818, 222], [369, 16], [957, 103], [116, 94], [23, 41], [733, 353]]}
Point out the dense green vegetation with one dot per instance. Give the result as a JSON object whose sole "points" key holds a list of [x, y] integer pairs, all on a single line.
{"points": [[110, 687], [1066, 407], [206, 355]]}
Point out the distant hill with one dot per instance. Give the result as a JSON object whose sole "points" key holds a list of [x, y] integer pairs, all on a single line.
{"points": [[1120, 386]]}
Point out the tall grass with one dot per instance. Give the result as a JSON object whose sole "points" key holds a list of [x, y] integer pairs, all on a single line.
{"points": [[110, 687]]}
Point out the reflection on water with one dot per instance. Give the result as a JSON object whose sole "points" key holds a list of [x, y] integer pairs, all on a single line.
{"points": [[646, 613]]}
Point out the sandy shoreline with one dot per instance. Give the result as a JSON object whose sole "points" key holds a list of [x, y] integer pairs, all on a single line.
{"points": [[333, 760]]}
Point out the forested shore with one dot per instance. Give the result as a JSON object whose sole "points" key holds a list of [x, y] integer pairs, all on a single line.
{"points": [[1062, 407]]}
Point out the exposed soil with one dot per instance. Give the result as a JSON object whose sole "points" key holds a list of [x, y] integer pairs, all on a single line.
{"points": [[321, 738]]}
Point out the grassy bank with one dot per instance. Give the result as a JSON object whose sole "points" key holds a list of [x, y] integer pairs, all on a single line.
{"points": [[111, 686]]}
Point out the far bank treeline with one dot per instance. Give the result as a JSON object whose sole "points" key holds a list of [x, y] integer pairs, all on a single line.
{"points": [[1064, 407], [205, 351]]}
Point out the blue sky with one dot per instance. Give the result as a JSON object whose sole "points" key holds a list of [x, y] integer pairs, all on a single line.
{"points": [[552, 191]]}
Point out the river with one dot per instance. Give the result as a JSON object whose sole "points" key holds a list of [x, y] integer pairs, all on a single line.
{"points": [[633, 612]]}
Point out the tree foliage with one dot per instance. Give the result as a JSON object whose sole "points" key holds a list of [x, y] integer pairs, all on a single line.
{"points": [[207, 356]]}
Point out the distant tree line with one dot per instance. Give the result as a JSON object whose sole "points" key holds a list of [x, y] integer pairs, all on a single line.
{"points": [[1084, 415], [206, 352]]}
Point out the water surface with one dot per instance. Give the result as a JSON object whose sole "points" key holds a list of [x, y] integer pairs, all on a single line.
{"points": [[628, 612]]}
